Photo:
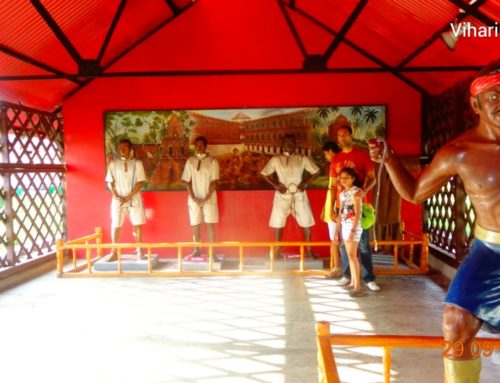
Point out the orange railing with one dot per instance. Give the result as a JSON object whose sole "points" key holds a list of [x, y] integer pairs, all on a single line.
{"points": [[404, 250], [325, 340], [62, 247], [93, 248]]}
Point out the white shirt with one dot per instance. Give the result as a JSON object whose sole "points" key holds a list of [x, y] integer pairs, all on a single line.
{"points": [[125, 181], [289, 168], [201, 172], [347, 205]]}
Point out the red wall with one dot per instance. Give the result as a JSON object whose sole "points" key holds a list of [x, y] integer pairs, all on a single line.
{"points": [[243, 214]]}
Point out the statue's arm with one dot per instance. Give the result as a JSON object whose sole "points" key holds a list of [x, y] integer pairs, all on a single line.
{"points": [[430, 180]]}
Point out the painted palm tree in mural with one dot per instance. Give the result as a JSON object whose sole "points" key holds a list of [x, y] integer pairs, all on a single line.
{"points": [[120, 127], [356, 114], [322, 118], [370, 115], [334, 110], [328, 113], [316, 121], [324, 112], [356, 111]]}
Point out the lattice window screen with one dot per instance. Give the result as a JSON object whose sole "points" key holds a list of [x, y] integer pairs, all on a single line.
{"points": [[32, 203], [441, 218], [470, 219], [448, 216]]}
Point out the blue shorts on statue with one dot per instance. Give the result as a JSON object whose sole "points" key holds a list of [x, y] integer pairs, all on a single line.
{"points": [[476, 286]]}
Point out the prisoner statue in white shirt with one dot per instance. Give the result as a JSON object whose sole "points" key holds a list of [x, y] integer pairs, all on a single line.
{"points": [[290, 197], [200, 175], [125, 177]]}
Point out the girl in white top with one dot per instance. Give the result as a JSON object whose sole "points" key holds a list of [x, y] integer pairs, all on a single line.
{"points": [[350, 213]]}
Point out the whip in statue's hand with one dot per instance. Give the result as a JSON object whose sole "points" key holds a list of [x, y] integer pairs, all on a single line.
{"points": [[378, 149]]}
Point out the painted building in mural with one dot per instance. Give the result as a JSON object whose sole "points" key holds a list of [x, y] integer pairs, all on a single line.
{"points": [[264, 135], [216, 130], [163, 163]]}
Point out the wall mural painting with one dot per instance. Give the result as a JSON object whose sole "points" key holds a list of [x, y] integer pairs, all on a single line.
{"points": [[242, 140]]}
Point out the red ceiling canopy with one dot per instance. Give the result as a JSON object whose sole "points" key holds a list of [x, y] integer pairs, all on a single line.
{"points": [[51, 48]]}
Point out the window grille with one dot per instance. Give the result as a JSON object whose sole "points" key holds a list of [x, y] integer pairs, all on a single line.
{"points": [[32, 195], [448, 215]]}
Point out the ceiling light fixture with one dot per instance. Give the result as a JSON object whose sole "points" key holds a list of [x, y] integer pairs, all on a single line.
{"points": [[451, 36]]}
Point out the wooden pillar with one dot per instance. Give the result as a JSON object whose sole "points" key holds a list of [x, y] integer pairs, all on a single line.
{"points": [[7, 194], [459, 235]]}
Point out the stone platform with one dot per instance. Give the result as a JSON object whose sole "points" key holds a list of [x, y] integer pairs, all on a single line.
{"points": [[263, 263], [294, 264], [129, 263], [191, 263]]}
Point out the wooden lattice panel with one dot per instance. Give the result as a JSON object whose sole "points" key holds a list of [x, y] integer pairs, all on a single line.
{"points": [[37, 222], [33, 138], [470, 220], [467, 115], [440, 124], [440, 216], [449, 216], [32, 183]]}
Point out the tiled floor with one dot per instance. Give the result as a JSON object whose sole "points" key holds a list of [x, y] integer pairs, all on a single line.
{"points": [[211, 330]]}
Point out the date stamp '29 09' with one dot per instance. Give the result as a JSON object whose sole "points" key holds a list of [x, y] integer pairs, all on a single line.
{"points": [[476, 348]]}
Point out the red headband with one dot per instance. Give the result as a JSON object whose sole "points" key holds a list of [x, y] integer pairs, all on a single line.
{"points": [[482, 83]]}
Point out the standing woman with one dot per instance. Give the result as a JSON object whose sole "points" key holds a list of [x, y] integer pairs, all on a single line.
{"points": [[350, 213]]}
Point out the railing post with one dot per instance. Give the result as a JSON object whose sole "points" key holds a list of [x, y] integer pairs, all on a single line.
{"points": [[386, 359], [98, 232], [332, 261], [424, 261], [87, 258], [240, 249], [271, 258], [411, 253], [210, 258], [302, 258], [395, 251], [326, 361], [60, 257], [119, 254], [179, 257], [150, 264]]}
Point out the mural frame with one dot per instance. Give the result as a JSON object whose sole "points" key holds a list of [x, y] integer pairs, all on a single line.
{"points": [[242, 139]]}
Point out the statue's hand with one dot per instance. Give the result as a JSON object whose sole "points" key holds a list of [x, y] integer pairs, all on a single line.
{"points": [[376, 149], [281, 188]]}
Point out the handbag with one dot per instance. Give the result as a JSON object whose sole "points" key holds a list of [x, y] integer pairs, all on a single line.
{"points": [[368, 216]]}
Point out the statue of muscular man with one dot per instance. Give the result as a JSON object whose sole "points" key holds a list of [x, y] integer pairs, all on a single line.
{"points": [[474, 294]]}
